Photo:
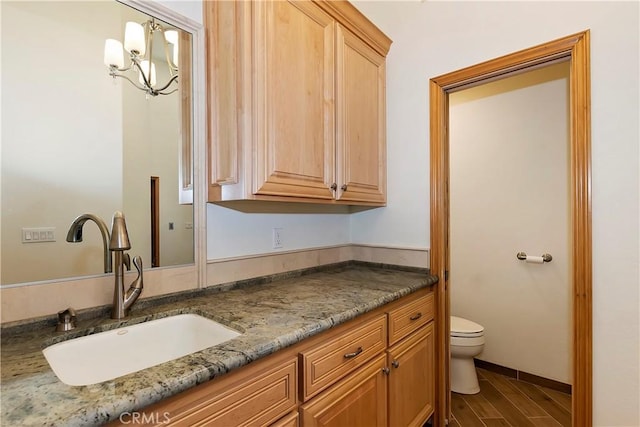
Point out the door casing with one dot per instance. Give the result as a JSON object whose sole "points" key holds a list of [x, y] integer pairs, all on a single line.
{"points": [[576, 49]]}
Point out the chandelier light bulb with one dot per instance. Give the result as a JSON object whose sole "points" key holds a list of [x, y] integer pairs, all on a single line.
{"points": [[113, 54], [175, 55], [171, 36], [134, 38], [145, 68]]}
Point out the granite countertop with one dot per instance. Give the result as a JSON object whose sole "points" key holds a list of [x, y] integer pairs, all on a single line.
{"points": [[271, 314]]}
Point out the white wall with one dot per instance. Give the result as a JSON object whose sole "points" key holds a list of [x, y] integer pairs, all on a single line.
{"points": [[191, 9], [434, 38], [44, 158], [231, 233], [509, 192]]}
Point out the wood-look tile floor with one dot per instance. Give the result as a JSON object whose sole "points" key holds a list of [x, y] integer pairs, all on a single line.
{"points": [[505, 401]]}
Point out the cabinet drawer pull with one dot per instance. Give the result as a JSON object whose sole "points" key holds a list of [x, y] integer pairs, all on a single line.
{"points": [[354, 354], [395, 364], [416, 316]]}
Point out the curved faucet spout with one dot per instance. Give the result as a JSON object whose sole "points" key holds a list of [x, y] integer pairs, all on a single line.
{"points": [[74, 235]]}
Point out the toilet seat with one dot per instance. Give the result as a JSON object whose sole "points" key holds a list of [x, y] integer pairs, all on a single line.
{"points": [[464, 328]]}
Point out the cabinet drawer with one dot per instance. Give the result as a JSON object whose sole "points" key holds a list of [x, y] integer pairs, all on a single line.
{"points": [[291, 420], [258, 402], [324, 364], [409, 317]]}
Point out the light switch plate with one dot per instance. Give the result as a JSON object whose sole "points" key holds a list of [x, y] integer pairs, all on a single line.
{"points": [[38, 234]]}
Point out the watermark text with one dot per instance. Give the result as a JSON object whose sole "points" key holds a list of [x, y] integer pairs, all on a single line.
{"points": [[145, 418]]}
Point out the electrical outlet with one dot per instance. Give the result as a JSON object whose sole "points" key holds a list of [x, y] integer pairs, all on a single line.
{"points": [[277, 238]]}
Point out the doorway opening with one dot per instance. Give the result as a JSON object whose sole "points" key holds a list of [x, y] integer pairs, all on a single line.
{"points": [[509, 194], [155, 221], [575, 49]]}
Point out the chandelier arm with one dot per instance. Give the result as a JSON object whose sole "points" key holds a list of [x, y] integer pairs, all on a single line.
{"points": [[167, 93], [142, 88], [113, 69], [174, 78]]}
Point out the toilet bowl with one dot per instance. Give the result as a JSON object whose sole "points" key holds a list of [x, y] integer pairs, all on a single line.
{"points": [[467, 341]]}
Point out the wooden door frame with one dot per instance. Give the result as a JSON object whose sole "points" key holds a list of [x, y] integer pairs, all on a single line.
{"points": [[574, 48]]}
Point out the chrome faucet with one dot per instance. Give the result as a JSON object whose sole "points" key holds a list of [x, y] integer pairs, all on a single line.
{"points": [[119, 242], [116, 241], [74, 235]]}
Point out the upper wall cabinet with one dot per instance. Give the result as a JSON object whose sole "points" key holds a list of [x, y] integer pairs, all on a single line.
{"points": [[296, 98]]}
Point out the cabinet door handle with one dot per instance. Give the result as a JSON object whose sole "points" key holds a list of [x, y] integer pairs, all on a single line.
{"points": [[395, 364], [354, 354], [385, 370], [415, 316], [334, 186], [344, 187]]}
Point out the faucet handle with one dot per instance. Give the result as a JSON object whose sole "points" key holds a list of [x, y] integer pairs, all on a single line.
{"points": [[126, 260], [138, 283], [66, 320]]}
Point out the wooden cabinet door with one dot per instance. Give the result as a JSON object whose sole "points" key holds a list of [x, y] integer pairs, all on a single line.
{"points": [[412, 379], [360, 400], [293, 95], [360, 120]]}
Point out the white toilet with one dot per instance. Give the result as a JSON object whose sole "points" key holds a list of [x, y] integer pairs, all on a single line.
{"points": [[467, 341]]}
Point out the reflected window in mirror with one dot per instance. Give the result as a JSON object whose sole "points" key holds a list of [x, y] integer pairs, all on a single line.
{"points": [[75, 140]]}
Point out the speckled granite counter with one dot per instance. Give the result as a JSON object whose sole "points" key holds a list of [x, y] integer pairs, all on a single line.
{"points": [[271, 316]]}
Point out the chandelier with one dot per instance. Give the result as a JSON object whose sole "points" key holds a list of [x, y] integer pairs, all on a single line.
{"points": [[138, 43]]}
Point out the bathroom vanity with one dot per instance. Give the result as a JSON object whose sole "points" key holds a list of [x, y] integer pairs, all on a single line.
{"points": [[313, 344], [383, 360]]}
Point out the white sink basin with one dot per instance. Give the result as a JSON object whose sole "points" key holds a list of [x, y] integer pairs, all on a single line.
{"points": [[107, 355]]}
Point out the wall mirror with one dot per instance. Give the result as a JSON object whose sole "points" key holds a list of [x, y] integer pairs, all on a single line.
{"points": [[75, 141]]}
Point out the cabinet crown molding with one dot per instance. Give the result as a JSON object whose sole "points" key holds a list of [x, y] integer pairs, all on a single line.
{"points": [[349, 16]]}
